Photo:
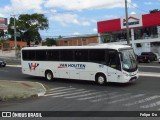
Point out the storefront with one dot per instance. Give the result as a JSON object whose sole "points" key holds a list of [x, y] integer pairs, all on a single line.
{"points": [[144, 31]]}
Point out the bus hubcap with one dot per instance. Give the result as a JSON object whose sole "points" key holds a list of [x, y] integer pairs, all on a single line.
{"points": [[49, 76], [101, 80]]}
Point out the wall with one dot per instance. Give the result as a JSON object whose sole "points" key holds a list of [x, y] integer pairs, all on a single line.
{"points": [[10, 53]]}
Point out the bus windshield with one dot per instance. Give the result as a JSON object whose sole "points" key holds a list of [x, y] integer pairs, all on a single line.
{"points": [[129, 62]]}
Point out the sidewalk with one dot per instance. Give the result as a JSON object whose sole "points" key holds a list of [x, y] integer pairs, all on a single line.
{"points": [[15, 90]]}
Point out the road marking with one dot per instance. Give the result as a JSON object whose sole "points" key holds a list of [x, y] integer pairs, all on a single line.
{"points": [[57, 88], [142, 101], [80, 91], [61, 90], [14, 66], [151, 105], [149, 66], [88, 94], [124, 99], [91, 97], [150, 74], [106, 98], [4, 71]]}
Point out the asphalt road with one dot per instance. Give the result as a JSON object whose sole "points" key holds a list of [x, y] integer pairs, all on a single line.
{"points": [[73, 95]]}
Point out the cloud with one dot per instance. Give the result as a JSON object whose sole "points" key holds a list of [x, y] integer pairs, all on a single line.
{"points": [[86, 23], [20, 6], [95, 30], [93, 20], [147, 3], [84, 4], [66, 19], [110, 16], [76, 33], [133, 13], [2, 15]]}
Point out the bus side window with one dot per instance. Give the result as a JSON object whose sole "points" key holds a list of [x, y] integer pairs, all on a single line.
{"points": [[113, 60], [81, 55], [31, 55]]}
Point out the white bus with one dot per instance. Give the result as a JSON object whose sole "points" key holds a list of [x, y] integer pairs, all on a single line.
{"points": [[101, 63]]}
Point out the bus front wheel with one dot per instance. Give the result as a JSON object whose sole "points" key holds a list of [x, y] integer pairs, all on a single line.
{"points": [[101, 79], [48, 75]]}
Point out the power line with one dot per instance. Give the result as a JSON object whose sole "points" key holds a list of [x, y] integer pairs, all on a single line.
{"points": [[138, 8]]}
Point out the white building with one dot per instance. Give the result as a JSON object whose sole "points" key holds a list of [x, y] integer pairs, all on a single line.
{"points": [[144, 32]]}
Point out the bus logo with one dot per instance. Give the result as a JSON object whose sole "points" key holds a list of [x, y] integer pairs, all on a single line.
{"points": [[76, 66], [33, 66]]}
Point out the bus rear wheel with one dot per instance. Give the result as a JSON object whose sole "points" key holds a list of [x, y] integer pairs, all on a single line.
{"points": [[101, 79], [48, 75]]}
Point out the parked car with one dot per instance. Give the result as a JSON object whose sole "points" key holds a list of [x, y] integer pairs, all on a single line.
{"points": [[2, 63], [147, 57]]}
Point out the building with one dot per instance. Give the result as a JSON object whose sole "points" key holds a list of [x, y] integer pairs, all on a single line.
{"points": [[78, 40], [9, 45], [3, 23], [144, 32]]}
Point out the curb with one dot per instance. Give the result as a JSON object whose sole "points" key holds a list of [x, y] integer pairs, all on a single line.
{"points": [[17, 90], [41, 93], [14, 65]]}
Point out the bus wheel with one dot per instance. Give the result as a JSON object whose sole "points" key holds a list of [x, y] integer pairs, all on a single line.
{"points": [[48, 75], [100, 79]]}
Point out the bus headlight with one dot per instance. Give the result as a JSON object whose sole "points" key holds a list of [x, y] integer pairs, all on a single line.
{"points": [[126, 74]]}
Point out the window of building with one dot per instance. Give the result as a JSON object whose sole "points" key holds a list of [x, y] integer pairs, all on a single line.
{"points": [[145, 33], [138, 45]]}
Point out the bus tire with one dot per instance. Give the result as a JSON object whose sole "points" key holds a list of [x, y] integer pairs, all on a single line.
{"points": [[101, 79], [48, 75]]}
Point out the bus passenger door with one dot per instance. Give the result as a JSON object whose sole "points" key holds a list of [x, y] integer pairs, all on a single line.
{"points": [[113, 63]]}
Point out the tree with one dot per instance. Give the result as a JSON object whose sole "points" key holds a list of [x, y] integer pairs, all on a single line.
{"points": [[154, 11], [32, 35], [11, 29], [50, 42], [28, 26], [2, 33]]}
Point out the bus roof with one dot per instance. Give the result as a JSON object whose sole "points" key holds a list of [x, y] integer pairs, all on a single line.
{"points": [[100, 46]]}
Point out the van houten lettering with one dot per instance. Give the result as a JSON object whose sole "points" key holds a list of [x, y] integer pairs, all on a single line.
{"points": [[76, 66]]}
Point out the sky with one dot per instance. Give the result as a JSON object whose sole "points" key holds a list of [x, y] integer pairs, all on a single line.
{"points": [[75, 17]]}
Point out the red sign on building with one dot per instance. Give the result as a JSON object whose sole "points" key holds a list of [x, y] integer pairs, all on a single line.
{"points": [[3, 23], [145, 20]]}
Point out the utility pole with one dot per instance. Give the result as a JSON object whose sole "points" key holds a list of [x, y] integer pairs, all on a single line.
{"points": [[15, 39], [127, 27]]}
